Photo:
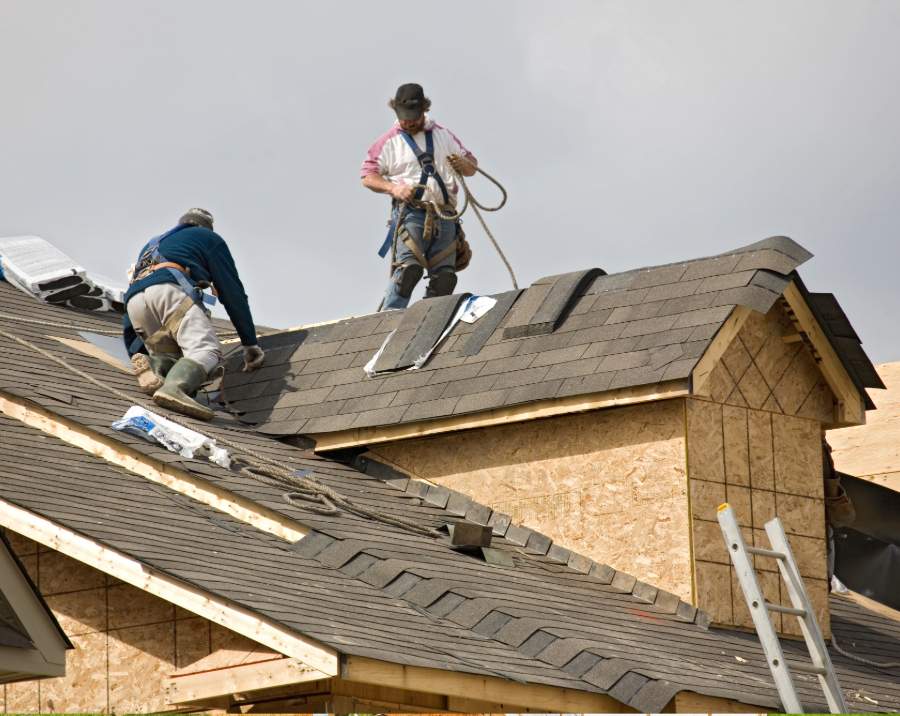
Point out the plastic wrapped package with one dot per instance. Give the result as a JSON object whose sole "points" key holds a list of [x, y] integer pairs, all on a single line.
{"points": [[155, 428], [40, 269]]}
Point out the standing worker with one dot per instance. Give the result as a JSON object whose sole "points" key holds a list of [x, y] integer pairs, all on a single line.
{"points": [[417, 151], [168, 332]]}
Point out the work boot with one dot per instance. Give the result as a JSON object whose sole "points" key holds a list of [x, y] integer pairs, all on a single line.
{"points": [[182, 381], [151, 371]]}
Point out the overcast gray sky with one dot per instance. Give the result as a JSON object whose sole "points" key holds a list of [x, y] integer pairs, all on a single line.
{"points": [[628, 134]]}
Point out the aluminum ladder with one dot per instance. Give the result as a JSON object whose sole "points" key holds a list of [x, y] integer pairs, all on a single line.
{"points": [[759, 610]]}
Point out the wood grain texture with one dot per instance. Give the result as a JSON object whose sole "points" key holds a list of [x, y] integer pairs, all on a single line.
{"points": [[872, 451], [608, 484]]}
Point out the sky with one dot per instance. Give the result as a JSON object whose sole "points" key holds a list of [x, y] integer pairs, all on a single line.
{"points": [[627, 134]]}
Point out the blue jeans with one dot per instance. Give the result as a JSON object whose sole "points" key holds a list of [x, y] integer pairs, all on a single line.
{"points": [[414, 223]]}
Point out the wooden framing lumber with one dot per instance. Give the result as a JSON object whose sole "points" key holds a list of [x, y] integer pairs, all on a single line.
{"points": [[245, 677], [479, 688], [727, 333], [851, 408], [502, 416], [688, 702], [187, 596], [140, 464]]}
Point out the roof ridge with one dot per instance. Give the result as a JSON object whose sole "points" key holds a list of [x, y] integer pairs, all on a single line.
{"points": [[462, 505]]}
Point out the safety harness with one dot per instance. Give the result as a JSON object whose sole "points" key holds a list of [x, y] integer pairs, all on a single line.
{"points": [[429, 171], [165, 339]]}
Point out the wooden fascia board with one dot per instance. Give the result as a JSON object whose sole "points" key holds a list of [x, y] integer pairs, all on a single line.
{"points": [[851, 407], [726, 334], [246, 677], [478, 688], [205, 604], [129, 459], [502, 416], [689, 702], [39, 626]]}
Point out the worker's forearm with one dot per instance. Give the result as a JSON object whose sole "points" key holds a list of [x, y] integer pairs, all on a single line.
{"points": [[468, 170], [378, 184]]}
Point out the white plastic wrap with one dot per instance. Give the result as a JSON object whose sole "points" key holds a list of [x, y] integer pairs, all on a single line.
{"points": [[112, 289], [33, 265], [175, 438]]}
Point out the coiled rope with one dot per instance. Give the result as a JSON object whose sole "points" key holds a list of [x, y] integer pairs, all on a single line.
{"points": [[468, 198], [305, 492], [876, 664]]}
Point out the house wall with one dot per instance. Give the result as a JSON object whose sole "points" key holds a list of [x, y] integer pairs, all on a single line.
{"points": [[613, 484], [609, 484], [126, 640], [756, 443]]}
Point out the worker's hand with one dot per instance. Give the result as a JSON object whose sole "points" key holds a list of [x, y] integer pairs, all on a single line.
{"points": [[461, 164], [403, 192], [253, 358]]}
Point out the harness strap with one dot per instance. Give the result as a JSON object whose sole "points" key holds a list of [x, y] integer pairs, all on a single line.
{"points": [[420, 257], [426, 161], [167, 335]]}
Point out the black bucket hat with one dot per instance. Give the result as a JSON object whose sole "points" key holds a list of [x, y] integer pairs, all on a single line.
{"points": [[409, 103]]}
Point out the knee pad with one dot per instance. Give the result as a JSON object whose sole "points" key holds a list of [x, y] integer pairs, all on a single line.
{"points": [[443, 281], [410, 275]]}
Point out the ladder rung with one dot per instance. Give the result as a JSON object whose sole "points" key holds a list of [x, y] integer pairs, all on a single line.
{"points": [[765, 553], [807, 668], [786, 610]]}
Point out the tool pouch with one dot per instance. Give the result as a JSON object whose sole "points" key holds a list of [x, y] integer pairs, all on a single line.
{"points": [[463, 251]]}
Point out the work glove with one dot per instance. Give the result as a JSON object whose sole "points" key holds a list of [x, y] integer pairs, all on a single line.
{"points": [[253, 358]]}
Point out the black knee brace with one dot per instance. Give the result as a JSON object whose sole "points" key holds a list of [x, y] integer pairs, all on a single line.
{"points": [[443, 281], [410, 275]]}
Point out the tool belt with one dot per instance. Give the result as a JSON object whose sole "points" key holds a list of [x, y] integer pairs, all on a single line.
{"points": [[163, 264]]}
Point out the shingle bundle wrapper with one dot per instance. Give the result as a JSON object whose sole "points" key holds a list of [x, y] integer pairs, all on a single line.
{"points": [[36, 267], [155, 428]]}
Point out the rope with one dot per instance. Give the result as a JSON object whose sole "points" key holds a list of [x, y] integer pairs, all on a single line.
{"points": [[306, 493], [876, 664], [468, 198]]}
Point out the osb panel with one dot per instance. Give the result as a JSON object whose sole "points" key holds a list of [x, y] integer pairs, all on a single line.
{"points": [[801, 515], [762, 461], [608, 484], [760, 371], [80, 612], [763, 507], [23, 698], [798, 456], [714, 591], [140, 658], [130, 606], [737, 458], [21, 545], [810, 555], [191, 641], [706, 497], [83, 688], [872, 450], [31, 566], [705, 442], [59, 573], [229, 649]]}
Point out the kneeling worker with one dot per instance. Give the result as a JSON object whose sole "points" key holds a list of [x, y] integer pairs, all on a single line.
{"points": [[417, 151], [165, 315]]}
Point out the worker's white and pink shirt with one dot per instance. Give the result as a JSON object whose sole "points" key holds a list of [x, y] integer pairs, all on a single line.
{"points": [[392, 158]]}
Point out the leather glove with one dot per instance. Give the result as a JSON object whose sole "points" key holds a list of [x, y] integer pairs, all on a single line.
{"points": [[253, 358]]}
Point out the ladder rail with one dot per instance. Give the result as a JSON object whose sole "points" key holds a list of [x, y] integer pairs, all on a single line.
{"points": [[809, 625], [746, 572]]}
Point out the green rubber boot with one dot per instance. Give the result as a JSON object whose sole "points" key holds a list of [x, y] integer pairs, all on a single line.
{"points": [[151, 371], [183, 379]]}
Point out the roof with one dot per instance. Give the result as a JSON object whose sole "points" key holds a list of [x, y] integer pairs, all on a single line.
{"points": [[363, 587], [569, 335]]}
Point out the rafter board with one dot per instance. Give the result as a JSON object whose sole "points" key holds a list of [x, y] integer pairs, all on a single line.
{"points": [[502, 416], [118, 454], [200, 602], [840, 382], [246, 677], [479, 688], [723, 339]]}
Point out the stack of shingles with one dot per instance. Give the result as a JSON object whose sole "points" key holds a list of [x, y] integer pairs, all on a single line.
{"points": [[566, 335]]}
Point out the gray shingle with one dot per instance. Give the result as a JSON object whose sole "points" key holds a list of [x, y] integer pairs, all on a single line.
{"points": [[324, 365], [440, 311], [701, 318], [537, 391], [650, 325], [419, 395], [314, 350], [634, 313], [558, 356], [356, 390], [524, 309], [583, 385], [636, 376], [339, 377], [664, 356], [383, 416], [614, 299], [589, 319], [404, 381], [573, 368], [329, 424], [316, 410], [303, 397], [505, 365], [721, 283], [687, 303], [755, 297], [431, 409], [519, 377], [354, 328], [469, 386], [481, 401], [664, 338], [459, 372], [679, 369], [494, 352], [539, 344], [624, 361], [598, 334], [715, 266], [565, 290], [669, 291], [657, 276]]}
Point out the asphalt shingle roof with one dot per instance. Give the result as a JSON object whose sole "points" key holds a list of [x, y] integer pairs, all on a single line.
{"points": [[566, 335]]}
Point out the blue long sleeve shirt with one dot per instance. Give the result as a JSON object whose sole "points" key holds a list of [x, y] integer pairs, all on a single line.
{"points": [[207, 256]]}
